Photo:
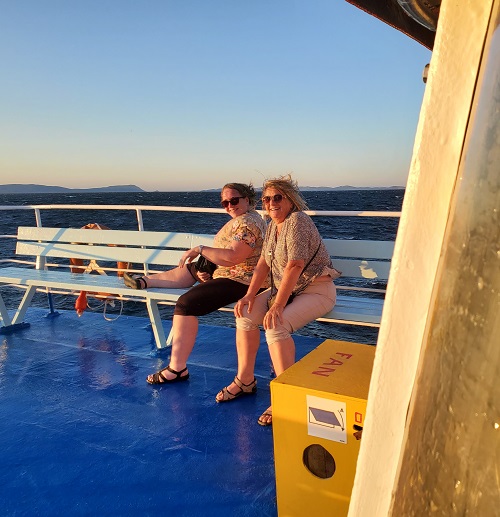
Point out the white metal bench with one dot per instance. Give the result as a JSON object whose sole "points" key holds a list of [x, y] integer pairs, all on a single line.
{"points": [[158, 250]]}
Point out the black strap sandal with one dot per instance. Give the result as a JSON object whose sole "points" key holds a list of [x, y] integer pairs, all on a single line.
{"points": [[159, 378], [225, 395], [135, 282]]}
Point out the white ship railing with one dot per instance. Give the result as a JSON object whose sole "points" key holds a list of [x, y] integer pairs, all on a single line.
{"points": [[139, 209]]}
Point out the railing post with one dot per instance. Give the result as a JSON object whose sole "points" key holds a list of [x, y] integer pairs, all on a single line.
{"points": [[40, 264], [140, 224]]}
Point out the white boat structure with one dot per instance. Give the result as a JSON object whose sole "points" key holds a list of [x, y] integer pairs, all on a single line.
{"points": [[431, 442], [431, 433]]}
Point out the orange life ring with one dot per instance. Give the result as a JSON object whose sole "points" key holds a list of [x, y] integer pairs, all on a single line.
{"points": [[77, 265]]}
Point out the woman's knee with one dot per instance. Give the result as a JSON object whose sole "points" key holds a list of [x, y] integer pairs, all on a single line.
{"points": [[246, 324], [187, 305], [279, 333], [181, 309]]}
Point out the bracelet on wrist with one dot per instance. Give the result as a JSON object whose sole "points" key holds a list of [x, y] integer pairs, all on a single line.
{"points": [[200, 249]]}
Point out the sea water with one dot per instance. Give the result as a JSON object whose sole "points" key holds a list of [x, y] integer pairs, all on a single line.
{"points": [[373, 228]]}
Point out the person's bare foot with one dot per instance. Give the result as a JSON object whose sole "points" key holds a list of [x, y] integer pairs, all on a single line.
{"points": [[266, 418]]}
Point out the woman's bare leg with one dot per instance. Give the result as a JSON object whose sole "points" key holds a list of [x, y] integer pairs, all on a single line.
{"points": [[185, 329], [283, 356], [247, 346], [177, 278]]}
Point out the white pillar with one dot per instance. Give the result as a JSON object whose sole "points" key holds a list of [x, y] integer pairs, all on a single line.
{"points": [[416, 273]]}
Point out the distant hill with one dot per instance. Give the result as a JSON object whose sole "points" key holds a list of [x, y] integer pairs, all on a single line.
{"points": [[313, 189], [349, 187], [30, 188]]}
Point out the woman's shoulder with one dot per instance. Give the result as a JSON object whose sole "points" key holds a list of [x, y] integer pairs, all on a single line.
{"points": [[299, 215], [300, 218], [300, 224], [252, 217]]}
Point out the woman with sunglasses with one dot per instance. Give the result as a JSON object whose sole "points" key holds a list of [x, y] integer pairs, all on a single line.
{"points": [[302, 288], [236, 251]]}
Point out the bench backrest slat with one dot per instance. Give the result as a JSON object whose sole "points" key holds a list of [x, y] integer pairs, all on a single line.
{"points": [[382, 250], [101, 253], [357, 259], [115, 237]]}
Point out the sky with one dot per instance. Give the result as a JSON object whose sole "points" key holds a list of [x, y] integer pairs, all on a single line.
{"points": [[176, 95]]}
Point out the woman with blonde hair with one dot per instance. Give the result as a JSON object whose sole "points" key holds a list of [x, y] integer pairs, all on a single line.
{"points": [[302, 288]]}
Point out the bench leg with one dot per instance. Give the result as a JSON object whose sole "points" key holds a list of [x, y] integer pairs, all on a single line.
{"points": [[8, 326], [24, 305], [4, 315], [156, 323], [170, 337]]}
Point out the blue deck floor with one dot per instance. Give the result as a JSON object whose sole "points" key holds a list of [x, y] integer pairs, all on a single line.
{"points": [[82, 433]]}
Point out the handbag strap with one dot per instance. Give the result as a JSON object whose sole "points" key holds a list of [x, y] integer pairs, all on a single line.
{"points": [[306, 266]]}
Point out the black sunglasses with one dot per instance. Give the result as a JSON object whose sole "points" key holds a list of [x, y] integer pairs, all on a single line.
{"points": [[277, 198], [233, 201]]}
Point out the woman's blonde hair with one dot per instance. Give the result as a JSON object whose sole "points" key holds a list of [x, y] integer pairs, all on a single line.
{"points": [[289, 188]]}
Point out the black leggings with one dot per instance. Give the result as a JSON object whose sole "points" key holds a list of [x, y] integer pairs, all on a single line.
{"points": [[207, 297]]}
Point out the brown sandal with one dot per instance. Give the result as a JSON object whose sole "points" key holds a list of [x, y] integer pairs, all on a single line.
{"points": [[159, 378], [265, 423], [244, 389]]}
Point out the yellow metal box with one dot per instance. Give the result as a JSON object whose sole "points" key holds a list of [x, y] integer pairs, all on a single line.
{"points": [[318, 412]]}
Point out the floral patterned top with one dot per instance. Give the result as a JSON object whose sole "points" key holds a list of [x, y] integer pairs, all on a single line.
{"points": [[298, 239], [250, 228]]}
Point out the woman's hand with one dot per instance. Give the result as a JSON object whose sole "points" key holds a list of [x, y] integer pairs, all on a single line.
{"points": [[203, 277], [273, 316], [188, 256], [248, 299]]}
